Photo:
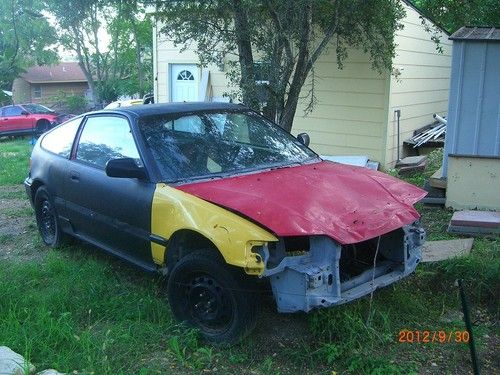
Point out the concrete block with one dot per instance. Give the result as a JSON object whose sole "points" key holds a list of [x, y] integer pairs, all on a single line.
{"points": [[435, 251]]}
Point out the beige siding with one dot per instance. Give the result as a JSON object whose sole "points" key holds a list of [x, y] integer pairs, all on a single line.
{"points": [[350, 114], [482, 174], [348, 118], [423, 84], [167, 53]]}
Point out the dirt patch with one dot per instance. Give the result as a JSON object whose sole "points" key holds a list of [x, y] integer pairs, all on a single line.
{"points": [[18, 231]]}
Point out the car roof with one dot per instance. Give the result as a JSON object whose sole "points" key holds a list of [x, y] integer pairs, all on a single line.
{"points": [[173, 108]]}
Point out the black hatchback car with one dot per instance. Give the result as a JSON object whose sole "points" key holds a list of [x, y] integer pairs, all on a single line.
{"points": [[219, 198]]}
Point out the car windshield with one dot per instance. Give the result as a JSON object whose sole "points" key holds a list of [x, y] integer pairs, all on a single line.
{"points": [[216, 144], [37, 108]]}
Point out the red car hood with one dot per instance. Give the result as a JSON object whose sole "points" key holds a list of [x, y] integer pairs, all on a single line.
{"points": [[349, 204]]}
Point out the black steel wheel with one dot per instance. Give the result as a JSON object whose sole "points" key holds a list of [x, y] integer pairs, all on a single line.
{"points": [[42, 126], [218, 299], [46, 218]]}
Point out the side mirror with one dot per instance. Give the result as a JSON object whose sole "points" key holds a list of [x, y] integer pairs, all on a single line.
{"points": [[125, 168], [304, 138], [25, 113]]}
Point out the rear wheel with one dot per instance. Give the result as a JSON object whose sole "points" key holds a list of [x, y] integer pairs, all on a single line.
{"points": [[42, 126], [218, 299], [46, 218]]}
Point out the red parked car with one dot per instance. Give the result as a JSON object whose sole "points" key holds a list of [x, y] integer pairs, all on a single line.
{"points": [[27, 118]]}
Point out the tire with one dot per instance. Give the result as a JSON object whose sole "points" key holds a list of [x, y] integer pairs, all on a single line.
{"points": [[42, 126], [47, 219], [219, 300]]}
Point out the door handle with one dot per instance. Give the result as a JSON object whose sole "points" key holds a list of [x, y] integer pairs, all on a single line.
{"points": [[74, 176]]}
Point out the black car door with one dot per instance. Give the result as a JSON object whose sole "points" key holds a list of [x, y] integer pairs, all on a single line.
{"points": [[113, 213], [55, 163]]}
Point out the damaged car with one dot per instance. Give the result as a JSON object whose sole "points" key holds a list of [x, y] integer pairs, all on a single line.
{"points": [[223, 202]]}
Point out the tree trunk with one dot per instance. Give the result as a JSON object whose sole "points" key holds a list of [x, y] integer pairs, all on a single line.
{"points": [[301, 71], [140, 72], [90, 81], [84, 65], [288, 115], [247, 82]]}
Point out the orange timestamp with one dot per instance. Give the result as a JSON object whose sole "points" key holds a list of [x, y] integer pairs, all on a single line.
{"points": [[439, 337]]}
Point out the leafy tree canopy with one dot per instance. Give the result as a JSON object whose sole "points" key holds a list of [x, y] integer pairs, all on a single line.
{"points": [[122, 66], [281, 40], [26, 39], [453, 14]]}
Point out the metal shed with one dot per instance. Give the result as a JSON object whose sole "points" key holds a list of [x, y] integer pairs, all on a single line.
{"points": [[472, 148]]}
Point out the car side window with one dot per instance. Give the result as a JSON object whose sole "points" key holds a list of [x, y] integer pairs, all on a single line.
{"points": [[13, 111], [60, 139], [104, 138]]}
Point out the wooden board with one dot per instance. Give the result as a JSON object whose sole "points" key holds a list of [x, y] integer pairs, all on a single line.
{"points": [[437, 180]]}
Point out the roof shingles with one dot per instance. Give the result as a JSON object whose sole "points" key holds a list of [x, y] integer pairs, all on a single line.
{"points": [[63, 72]]}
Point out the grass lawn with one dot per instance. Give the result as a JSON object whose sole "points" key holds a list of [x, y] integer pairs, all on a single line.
{"points": [[78, 309]]}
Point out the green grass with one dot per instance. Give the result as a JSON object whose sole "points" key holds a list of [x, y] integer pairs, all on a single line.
{"points": [[77, 309], [75, 312], [14, 160]]}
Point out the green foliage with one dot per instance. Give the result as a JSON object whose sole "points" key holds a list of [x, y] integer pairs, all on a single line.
{"points": [[124, 67], [452, 14], [285, 37], [74, 104], [133, 49], [26, 38]]}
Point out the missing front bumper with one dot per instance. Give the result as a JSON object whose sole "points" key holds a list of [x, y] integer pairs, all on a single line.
{"points": [[327, 274]]}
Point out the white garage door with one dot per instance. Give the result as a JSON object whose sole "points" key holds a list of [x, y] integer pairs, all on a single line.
{"points": [[184, 83]]}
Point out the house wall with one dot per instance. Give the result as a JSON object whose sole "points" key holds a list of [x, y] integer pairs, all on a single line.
{"points": [[348, 118], [349, 115], [473, 182], [21, 91], [51, 90], [166, 53], [422, 87]]}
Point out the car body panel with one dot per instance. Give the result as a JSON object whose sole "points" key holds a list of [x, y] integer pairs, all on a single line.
{"points": [[233, 235], [113, 211], [349, 204]]}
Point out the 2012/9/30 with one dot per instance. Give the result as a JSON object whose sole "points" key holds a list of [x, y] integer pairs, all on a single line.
{"points": [[441, 337]]}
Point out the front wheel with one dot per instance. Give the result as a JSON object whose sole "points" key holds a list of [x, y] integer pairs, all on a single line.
{"points": [[218, 299], [46, 218]]}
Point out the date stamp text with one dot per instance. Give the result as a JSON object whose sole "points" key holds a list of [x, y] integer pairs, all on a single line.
{"points": [[438, 337]]}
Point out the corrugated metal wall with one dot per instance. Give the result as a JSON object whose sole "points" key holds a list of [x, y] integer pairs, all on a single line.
{"points": [[474, 104]]}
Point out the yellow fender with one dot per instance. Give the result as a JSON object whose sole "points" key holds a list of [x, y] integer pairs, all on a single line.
{"points": [[234, 236]]}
